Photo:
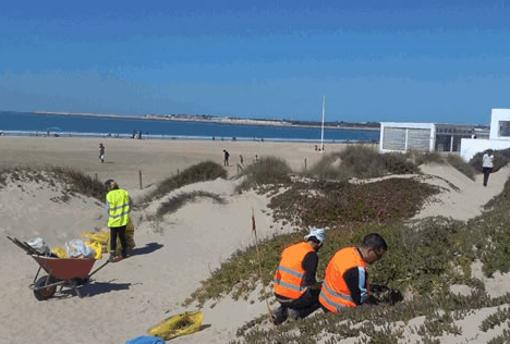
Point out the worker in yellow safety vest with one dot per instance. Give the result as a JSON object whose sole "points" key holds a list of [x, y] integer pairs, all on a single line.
{"points": [[294, 285], [346, 278], [118, 205]]}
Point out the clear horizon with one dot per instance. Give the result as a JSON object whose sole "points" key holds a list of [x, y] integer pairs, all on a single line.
{"points": [[425, 61]]}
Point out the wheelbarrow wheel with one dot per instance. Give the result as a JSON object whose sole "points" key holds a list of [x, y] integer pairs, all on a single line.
{"points": [[44, 293]]}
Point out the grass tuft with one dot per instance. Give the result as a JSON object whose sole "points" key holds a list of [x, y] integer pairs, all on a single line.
{"points": [[361, 162], [175, 203], [72, 180], [200, 172], [267, 170]]}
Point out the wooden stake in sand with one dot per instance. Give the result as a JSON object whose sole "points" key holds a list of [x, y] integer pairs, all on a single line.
{"points": [[259, 261]]}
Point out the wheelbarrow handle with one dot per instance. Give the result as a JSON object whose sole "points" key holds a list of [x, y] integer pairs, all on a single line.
{"points": [[99, 268]]}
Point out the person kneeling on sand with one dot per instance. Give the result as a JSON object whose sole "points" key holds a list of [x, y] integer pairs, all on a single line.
{"points": [[346, 279], [295, 286], [118, 204]]}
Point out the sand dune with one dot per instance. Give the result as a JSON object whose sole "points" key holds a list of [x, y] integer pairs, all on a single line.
{"points": [[173, 254]]}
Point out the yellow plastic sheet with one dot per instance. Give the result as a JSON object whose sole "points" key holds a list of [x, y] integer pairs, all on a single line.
{"points": [[103, 238], [96, 246], [178, 325], [59, 251]]}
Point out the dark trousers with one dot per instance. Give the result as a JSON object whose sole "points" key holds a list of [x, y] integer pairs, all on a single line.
{"points": [[121, 233], [301, 308], [486, 172]]}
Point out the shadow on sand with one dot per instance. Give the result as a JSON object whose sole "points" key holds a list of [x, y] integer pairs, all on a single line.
{"points": [[148, 248], [97, 288]]}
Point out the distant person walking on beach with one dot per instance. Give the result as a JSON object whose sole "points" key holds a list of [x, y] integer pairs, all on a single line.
{"points": [[101, 152], [487, 165], [241, 160], [118, 204], [226, 156]]}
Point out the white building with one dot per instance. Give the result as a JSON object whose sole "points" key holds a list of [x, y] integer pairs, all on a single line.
{"points": [[499, 136], [403, 137]]}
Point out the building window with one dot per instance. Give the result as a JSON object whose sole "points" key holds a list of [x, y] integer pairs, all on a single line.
{"points": [[504, 128]]}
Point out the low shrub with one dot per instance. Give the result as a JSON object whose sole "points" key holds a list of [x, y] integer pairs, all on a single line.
{"points": [[493, 233], [420, 257], [361, 162], [329, 168], [200, 172], [379, 324], [333, 203], [266, 170], [419, 157], [459, 164]]}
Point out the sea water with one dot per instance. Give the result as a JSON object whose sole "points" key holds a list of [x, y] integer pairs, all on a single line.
{"points": [[27, 123]]}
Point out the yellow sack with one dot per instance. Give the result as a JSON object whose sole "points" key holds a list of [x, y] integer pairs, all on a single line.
{"points": [[59, 251], [101, 237], [96, 246], [178, 325]]}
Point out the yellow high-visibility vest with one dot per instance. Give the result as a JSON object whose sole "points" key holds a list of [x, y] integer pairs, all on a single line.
{"points": [[118, 208]]}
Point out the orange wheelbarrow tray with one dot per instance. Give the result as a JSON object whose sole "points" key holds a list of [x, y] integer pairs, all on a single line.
{"points": [[61, 272]]}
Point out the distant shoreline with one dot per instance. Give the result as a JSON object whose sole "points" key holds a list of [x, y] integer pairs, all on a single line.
{"points": [[218, 120]]}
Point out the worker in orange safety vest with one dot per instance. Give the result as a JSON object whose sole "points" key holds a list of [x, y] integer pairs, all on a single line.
{"points": [[294, 284], [346, 278]]}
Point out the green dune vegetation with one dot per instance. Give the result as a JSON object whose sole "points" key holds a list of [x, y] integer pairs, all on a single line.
{"points": [[175, 203], [501, 159], [207, 170], [426, 257], [72, 180]]}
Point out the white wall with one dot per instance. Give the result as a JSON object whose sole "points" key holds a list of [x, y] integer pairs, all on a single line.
{"points": [[469, 147], [408, 125], [498, 115]]}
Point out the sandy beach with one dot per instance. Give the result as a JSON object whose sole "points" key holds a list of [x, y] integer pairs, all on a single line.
{"points": [[173, 255], [157, 159]]}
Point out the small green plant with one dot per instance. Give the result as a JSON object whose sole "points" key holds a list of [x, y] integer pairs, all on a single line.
{"points": [[176, 202], [496, 319], [437, 325], [203, 171], [504, 338], [267, 170]]}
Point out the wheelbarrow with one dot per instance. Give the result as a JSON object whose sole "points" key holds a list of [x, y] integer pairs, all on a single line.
{"points": [[70, 273]]}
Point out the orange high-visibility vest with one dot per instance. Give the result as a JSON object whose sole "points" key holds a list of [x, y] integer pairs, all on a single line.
{"points": [[334, 293], [288, 278]]}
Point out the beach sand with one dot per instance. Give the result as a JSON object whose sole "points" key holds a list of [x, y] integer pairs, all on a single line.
{"points": [[172, 255], [157, 159]]}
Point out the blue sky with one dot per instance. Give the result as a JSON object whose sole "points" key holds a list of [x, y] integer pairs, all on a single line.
{"points": [[374, 60]]}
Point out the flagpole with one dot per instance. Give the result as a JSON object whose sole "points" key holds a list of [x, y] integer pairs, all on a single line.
{"points": [[322, 125]]}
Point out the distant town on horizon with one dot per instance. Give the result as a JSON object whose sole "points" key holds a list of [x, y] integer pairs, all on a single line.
{"points": [[230, 119]]}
